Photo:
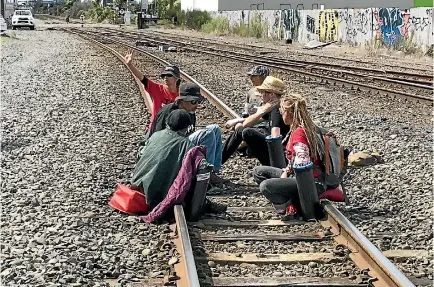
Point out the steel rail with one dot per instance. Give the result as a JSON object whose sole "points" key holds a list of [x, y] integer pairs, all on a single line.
{"points": [[186, 268], [291, 62], [226, 110], [187, 264], [364, 254], [331, 79], [300, 53], [145, 95]]}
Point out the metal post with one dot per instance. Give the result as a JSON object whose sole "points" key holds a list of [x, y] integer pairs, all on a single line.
{"points": [[3, 8]]}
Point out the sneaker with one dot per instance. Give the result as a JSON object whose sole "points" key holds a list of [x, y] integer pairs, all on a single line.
{"points": [[214, 207], [290, 213], [214, 190], [217, 180]]}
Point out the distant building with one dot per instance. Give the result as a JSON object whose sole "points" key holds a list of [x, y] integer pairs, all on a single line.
{"points": [[231, 5]]}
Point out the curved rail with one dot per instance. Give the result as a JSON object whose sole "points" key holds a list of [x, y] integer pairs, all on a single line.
{"points": [[213, 41], [288, 66], [364, 253], [299, 63], [227, 111]]}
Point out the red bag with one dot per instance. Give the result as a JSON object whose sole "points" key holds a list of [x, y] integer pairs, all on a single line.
{"points": [[334, 194], [129, 201]]}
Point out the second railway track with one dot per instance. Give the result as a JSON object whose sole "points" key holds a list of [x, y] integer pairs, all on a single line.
{"points": [[414, 86], [342, 241]]}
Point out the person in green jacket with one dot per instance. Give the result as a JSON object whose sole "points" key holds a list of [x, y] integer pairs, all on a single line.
{"points": [[162, 158]]}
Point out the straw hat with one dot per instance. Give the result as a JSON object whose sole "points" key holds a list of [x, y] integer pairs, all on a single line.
{"points": [[272, 85]]}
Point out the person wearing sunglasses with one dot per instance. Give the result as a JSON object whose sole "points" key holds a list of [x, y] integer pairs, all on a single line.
{"points": [[161, 94], [189, 99], [255, 128]]}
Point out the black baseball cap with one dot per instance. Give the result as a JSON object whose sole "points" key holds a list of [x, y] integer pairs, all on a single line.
{"points": [[178, 120], [171, 71], [190, 92]]}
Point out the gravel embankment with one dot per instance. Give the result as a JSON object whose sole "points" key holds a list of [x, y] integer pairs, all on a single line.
{"points": [[71, 120]]}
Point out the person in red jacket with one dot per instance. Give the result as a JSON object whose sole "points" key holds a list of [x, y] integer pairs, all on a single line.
{"points": [[161, 94], [276, 184]]}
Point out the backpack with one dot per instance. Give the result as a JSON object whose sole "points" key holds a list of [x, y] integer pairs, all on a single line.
{"points": [[333, 159]]}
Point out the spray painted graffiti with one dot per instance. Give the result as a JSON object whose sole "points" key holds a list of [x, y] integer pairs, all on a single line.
{"points": [[310, 24], [276, 20], [328, 25], [390, 21], [352, 26], [291, 23], [420, 23]]}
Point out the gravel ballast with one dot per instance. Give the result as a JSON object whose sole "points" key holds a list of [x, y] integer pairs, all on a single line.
{"points": [[393, 197], [71, 121]]}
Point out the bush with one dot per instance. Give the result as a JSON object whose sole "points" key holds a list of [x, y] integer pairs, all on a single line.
{"points": [[218, 25], [256, 27], [240, 30], [194, 19], [408, 46], [77, 9], [100, 14], [405, 45]]}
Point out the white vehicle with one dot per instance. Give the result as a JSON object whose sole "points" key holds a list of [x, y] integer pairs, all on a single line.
{"points": [[23, 18]]}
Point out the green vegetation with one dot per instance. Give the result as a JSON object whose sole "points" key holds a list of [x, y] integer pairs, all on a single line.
{"points": [[220, 25], [194, 19], [99, 14], [405, 45]]}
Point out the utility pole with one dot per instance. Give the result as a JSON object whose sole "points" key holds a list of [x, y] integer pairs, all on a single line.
{"points": [[3, 8]]}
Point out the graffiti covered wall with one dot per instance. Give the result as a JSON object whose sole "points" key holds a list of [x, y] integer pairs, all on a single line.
{"points": [[351, 26]]}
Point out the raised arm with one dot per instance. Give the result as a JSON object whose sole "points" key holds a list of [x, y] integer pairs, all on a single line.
{"points": [[128, 60]]}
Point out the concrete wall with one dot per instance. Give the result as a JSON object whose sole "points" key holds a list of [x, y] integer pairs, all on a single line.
{"points": [[352, 26], [231, 5], [204, 5]]}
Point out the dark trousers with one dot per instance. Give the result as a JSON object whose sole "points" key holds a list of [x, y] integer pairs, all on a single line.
{"points": [[255, 140], [279, 191]]}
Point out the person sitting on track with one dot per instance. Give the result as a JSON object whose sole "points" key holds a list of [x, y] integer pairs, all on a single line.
{"points": [[257, 76], [266, 121], [161, 94], [253, 99], [303, 147], [189, 99], [162, 159]]}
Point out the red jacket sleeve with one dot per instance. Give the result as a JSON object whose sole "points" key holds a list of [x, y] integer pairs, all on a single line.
{"points": [[299, 136]]}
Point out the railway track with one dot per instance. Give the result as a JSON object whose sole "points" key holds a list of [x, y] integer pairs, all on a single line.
{"points": [[265, 50], [258, 50], [409, 86], [345, 243]]}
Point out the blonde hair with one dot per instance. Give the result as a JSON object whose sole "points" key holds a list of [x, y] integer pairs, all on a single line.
{"points": [[297, 106]]}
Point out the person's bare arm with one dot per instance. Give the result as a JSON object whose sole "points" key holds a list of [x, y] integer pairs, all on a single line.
{"points": [[129, 62], [275, 132], [254, 119]]}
